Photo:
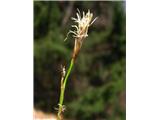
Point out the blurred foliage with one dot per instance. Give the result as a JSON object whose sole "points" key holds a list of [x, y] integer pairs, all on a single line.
{"points": [[96, 87]]}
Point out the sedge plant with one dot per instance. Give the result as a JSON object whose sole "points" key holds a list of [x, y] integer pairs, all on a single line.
{"points": [[79, 34]]}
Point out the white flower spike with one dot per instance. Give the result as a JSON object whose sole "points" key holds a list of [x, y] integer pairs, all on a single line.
{"points": [[81, 29]]}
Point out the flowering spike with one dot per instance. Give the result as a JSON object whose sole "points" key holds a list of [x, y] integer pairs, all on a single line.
{"points": [[81, 29]]}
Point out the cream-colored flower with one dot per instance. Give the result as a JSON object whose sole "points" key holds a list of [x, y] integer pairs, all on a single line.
{"points": [[83, 23], [81, 29]]}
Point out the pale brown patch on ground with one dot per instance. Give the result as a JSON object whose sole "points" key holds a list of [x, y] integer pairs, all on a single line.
{"points": [[39, 115]]}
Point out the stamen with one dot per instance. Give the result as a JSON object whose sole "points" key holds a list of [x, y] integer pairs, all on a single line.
{"points": [[69, 33], [75, 27], [93, 21], [79, 11], [73, 18], [83, 14], [78, 17]]}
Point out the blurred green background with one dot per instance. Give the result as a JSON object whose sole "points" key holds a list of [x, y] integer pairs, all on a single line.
{"points": [[96, 86]]}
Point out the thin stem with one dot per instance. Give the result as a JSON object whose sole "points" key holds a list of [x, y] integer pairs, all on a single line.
{"points": [[63, 85]]}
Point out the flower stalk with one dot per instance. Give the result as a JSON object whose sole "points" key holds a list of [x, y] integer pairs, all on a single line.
{"points": [[63, 85], [80, 33]]}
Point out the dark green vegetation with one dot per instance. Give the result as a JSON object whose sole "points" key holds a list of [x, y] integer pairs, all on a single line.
{"points": [[96, 87]]}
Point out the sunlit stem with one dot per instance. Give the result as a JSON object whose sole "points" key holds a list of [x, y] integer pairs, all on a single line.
{"points": [[63, 85]]}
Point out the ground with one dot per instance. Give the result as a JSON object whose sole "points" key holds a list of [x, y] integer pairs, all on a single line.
{"points": [[39, 115]]}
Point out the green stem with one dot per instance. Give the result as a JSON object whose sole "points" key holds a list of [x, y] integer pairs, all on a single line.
{"points": [[61, 99]]}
